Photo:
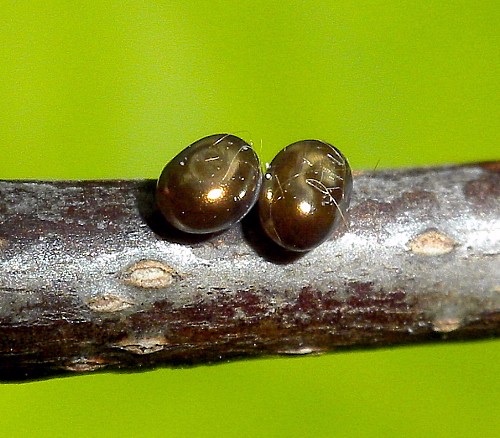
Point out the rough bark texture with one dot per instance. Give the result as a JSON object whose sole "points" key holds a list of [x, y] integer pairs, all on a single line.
{"points": [[92, 278]]}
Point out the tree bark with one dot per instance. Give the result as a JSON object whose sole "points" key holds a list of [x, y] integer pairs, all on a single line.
{"points": [[92, 278]]}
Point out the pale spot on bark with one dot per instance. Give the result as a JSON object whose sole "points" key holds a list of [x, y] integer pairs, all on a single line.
{"points": [[109, 303], [446, 325], [302, 351], [432, 243], [144, 345], [149, 274], [84, 364]]}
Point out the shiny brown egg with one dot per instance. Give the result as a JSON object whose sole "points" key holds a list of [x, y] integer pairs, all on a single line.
{"points": [[210, 185], [305, 194]]}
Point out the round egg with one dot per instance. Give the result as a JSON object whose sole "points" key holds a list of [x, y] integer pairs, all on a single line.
{"points": [[305, 194], [210, 185]]}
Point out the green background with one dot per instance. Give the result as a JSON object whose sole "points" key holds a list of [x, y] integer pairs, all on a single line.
{"points": [[115, 89]]}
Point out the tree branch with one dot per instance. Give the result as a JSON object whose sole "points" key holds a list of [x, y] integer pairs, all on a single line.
{"points": [[92, 278]]}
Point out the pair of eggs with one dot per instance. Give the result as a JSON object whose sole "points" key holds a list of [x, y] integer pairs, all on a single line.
{"points": [[213, 184]]}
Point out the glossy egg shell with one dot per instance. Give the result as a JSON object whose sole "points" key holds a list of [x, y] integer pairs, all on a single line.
{"points": [[210, 185], [305, 194]]}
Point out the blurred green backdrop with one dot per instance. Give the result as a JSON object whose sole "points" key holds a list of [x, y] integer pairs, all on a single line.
{"points": [[114, 89]]}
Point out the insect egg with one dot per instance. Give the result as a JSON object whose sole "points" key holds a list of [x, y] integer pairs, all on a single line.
{"points": [[305, 194], [210, 185]]}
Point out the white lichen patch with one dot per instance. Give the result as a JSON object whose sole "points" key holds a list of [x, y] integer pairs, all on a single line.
{"points": [[432, 243], [149, 274], [109, 303]]}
